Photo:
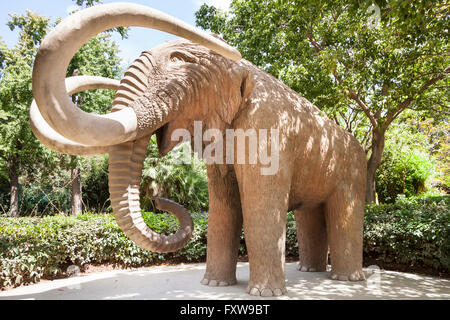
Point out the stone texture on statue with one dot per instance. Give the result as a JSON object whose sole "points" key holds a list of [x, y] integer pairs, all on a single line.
{"points": [[321, 167]]}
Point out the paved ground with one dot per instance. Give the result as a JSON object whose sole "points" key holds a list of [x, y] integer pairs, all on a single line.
{"points": [[183, 282]]}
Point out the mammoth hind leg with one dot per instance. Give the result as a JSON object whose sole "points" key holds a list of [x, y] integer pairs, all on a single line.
{"points": [[344, 211], [312, 239]]}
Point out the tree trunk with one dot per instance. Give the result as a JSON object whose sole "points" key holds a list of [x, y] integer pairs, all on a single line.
{"points": [[77, 203], [14, 200], [378, 139]]}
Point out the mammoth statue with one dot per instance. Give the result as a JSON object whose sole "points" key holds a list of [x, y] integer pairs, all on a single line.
{"points": [[320, 172]]}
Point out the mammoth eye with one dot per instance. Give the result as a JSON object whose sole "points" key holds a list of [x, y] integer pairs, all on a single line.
{"points": [[176, 58]]}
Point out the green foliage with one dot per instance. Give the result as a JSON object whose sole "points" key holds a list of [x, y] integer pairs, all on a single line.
{"points": [[168, 177], [100, 57], [52, 194], [414, 231], [87, 3], [406, 164], [35, 200], [437, 130], [32, 27], [291, 236], [2, 55], [4, 195]]}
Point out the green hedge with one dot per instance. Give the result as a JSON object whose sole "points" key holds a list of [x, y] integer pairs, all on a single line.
{"points": [[32, 248], [414, 231], [409, 231]]}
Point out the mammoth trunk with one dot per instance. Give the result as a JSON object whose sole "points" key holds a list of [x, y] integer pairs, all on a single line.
{"points": [[125, 169]]}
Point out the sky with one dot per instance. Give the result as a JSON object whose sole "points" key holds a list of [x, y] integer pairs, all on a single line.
{"points": [[140, 39]]}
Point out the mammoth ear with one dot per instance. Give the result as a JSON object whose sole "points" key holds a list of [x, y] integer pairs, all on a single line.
{"points": [[242, 86], [247, 85]]}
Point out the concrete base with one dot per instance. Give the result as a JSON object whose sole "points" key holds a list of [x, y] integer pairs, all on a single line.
{"points": [[182, 282]]}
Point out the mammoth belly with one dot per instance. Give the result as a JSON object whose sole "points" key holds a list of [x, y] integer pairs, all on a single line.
{"points": [[313, 181]]}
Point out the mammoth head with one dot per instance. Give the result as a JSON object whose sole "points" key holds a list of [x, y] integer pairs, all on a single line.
{"points": [[178, 82], [164, 87]]}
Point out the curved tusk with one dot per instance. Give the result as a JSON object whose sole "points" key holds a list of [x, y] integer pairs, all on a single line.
{"points": [[65, 40], [52, 139]]}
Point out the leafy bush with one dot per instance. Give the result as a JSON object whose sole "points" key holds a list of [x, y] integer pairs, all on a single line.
{"points": [[403, 173], [406, 164], [438, 131], [413, 231], [410, 231], [291, 236], [185, 183]]}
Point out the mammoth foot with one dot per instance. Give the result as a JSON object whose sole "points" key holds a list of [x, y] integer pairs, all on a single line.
{"points": [[306, 268], [357, 275], [217, 283], [266, 292]]}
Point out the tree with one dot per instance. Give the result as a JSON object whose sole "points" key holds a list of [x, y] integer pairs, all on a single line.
{"points": [[361, 63], [21, 153], [19, 149]]}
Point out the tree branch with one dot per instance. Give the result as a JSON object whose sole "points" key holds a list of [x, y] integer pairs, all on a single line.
{"points": [[352, 94], [353, 120], [432, 81], [392, 115], [311, 39], [364, 107]]}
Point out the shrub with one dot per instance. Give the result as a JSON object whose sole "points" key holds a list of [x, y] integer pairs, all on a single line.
{"points": [[413, 231], [403, 173], [32, 248], [168, 177], [406, 164]]}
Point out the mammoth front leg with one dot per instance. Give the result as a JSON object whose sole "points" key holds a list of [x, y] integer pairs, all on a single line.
{"points": [[224, 226], [264, 206]]}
